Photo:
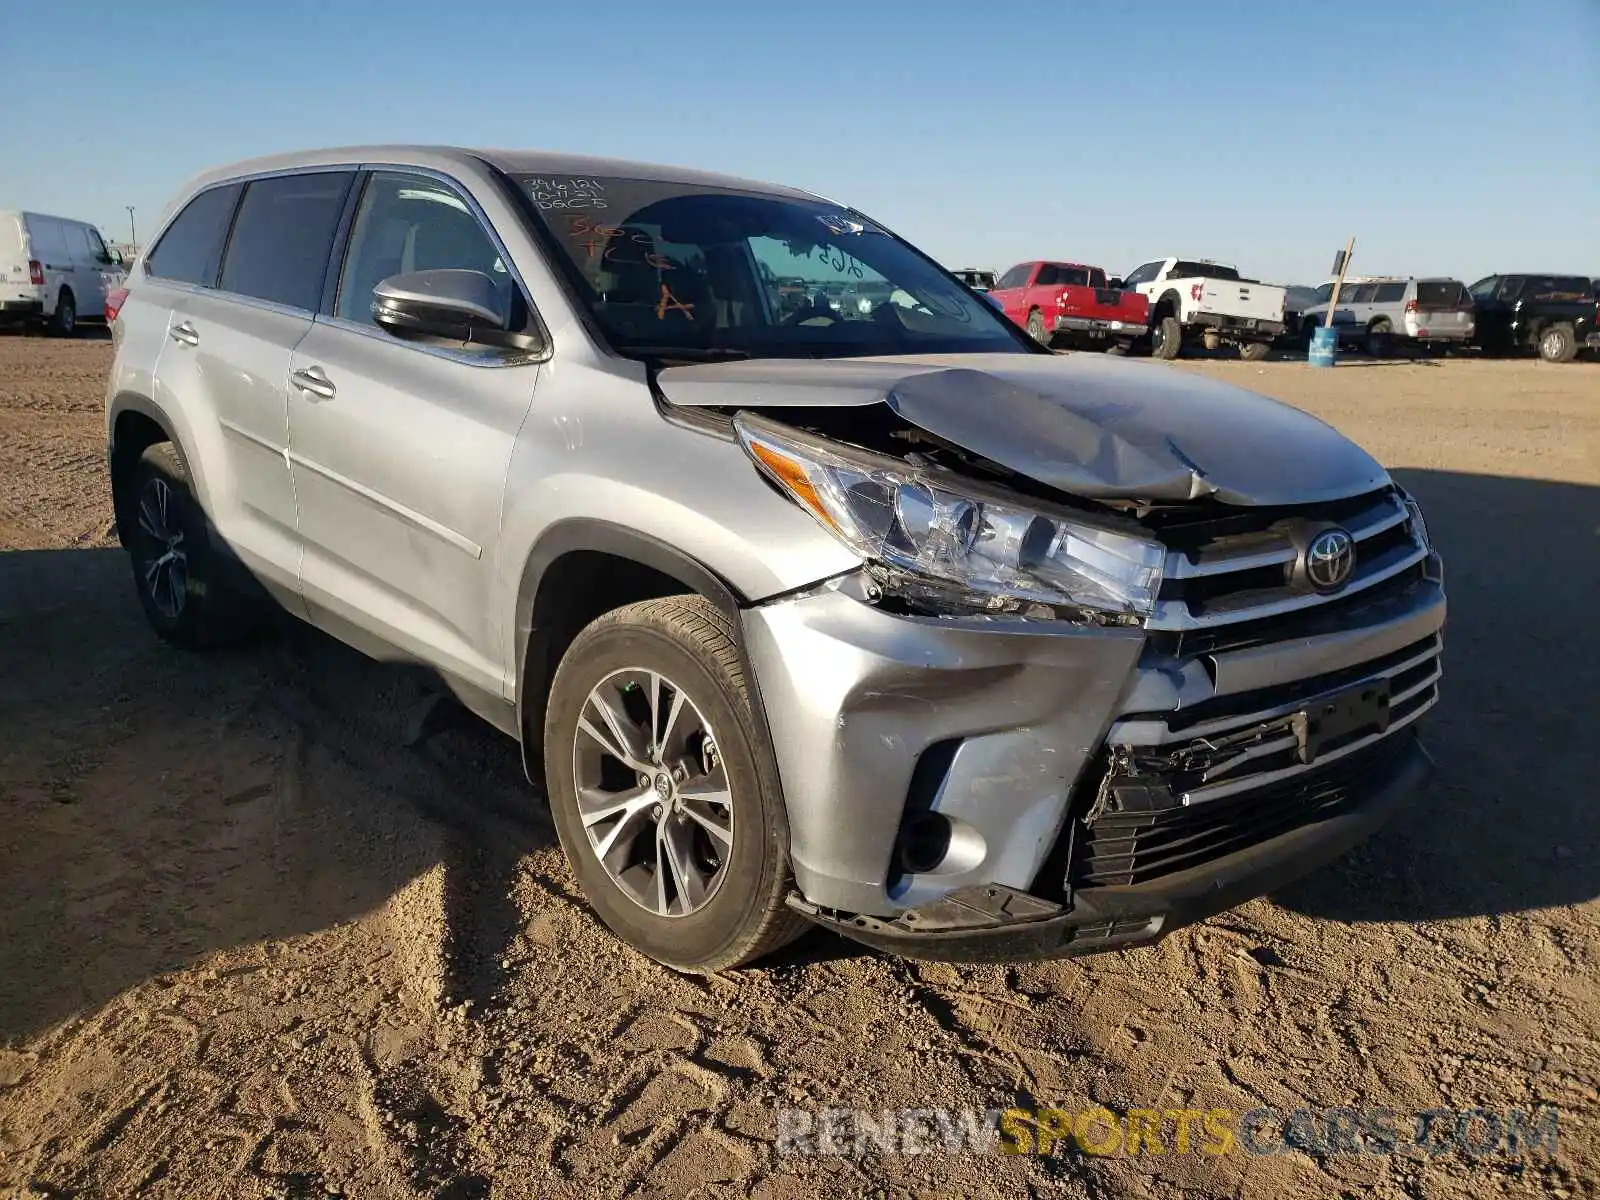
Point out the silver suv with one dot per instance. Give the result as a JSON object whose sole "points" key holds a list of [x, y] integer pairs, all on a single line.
{"points": [[1379, 312], [874, 617]]}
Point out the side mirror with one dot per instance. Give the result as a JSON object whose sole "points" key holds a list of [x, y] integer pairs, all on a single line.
{"points": [[452, 305], [1116, 283]]}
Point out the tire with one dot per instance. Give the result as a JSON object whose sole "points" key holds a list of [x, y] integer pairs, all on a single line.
{"points": [[65, 321], [1558, 343], [682, 649], [1166, 337], [184, 600], [1036, 329], [1254, 351], [1380, 339]]}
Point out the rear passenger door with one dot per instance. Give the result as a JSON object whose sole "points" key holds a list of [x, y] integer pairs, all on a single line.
{"points": [[1388, 304], [227, 359], [400, 448]]}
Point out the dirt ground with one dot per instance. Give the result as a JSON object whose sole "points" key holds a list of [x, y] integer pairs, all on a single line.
{"points": [[250, 946]]}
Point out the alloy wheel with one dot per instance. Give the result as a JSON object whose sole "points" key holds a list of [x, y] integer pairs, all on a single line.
{"points": [[163, 561], [652, 792]]}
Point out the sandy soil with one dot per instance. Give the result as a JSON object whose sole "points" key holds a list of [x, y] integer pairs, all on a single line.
{"points": [[251, 947]]}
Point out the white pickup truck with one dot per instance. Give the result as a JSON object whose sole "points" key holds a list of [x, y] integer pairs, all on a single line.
{"points": [[1191, 296]]}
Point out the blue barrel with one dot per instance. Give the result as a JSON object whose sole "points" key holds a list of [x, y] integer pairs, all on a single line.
{"points": [[1324, 341]]}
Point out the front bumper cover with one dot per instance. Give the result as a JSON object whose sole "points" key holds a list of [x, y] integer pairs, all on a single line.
{"points": [[990, 923]]}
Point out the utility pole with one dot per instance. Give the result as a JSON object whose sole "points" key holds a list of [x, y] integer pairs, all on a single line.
{"points": [[133, 237]]}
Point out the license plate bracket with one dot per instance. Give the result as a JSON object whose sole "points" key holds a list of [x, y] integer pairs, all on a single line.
{"points": [[1363, 708]]}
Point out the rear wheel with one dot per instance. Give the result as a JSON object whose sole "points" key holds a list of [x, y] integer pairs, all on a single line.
{"points": [[664, 787], [65, 321], [1380, 339], [175, 568], [1254, 351], [1558, 344], [1036, 329], [1166, 337]]}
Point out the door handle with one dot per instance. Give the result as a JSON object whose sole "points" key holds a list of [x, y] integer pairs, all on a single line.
{"points": [[314, 382], [184, 333]]}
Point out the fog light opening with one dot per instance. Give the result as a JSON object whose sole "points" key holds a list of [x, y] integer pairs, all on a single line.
{"points": [[924, 843]]}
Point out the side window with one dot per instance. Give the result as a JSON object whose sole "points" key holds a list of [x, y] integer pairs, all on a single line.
{"points": [[191, 248], [90, 238], [1143, 274], [1390, 293], [1048, 276], [412, 223], [1015, 277], [1509, 288], [282, 237], [1484, 288]]}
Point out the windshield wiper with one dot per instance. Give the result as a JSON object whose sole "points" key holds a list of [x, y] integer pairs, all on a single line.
{"points": [[686, 353]]}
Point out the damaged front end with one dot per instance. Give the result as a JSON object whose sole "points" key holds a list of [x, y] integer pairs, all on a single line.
{"points": [[1081, 690]]}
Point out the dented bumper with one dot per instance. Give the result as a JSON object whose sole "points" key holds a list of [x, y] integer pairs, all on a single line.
{"points": [[998, 925], [1003, 729]]}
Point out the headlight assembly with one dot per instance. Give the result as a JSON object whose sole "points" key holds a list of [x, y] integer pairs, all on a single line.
{"points": [[995, 548]]}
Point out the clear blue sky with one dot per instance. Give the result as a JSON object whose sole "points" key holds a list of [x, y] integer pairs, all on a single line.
{"points": [[1449, 136]]}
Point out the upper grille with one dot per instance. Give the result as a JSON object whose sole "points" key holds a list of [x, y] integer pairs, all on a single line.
{"points": [[1216, 576]]}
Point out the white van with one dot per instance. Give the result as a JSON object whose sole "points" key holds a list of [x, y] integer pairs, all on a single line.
{"points": [[54, 271]]}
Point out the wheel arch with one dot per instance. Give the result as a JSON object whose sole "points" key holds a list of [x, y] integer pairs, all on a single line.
{"points": [[134, 424], [579, 569], [1170, 305]]}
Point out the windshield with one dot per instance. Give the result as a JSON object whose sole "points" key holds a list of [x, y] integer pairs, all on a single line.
{"points": [[691, 271]]}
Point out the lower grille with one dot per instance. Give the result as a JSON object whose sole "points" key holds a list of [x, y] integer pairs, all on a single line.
{"points": [[1137, 847]]}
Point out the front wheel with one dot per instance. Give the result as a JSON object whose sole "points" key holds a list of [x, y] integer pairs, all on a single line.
{"points": [[1166, 338], [1558, 344], [664, 788], [1254, 351]]}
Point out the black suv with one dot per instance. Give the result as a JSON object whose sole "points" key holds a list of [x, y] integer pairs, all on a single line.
{"points": [[1553, 314]]}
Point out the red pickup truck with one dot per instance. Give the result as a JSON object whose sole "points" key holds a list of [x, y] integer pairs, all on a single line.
{"points": [[1071, 302]]}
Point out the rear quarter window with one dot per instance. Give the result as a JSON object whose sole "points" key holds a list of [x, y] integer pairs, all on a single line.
{"points": [[1390, 293], [282, 238], [191, 248], [1558, 288]]}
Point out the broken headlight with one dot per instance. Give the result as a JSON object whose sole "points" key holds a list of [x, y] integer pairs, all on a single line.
{"points": [[993, 545]]}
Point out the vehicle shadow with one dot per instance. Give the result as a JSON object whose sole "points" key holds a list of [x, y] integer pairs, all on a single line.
{"points": [[1510, 823], [158, 806]]}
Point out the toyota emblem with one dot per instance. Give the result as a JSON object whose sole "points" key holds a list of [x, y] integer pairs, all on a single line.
{"points": [[1329, 559]]}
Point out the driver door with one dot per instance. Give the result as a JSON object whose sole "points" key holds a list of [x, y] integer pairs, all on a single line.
{"points": [[399, 449]]}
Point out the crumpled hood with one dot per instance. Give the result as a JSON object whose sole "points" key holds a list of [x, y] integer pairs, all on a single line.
{"points": [[1089, 425]]}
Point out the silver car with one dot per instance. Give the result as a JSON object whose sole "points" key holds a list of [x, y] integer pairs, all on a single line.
{"points": [[1380, 313], [872, 617]]}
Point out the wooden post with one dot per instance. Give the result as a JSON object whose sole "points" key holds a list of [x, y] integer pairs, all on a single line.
{"points": [[1338, 284]]}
